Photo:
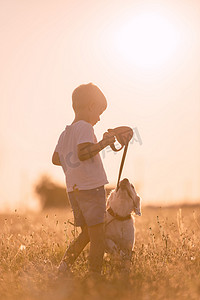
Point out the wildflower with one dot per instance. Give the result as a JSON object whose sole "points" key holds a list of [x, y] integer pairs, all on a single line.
{"points": [[22, 248]]}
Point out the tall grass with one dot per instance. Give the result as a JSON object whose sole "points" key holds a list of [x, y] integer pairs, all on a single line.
{"points": [[165, 263]]}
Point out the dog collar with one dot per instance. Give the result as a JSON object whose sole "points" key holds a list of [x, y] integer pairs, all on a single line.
{"points": [[116, 216]]}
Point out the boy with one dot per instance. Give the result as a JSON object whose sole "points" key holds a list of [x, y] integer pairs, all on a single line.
{"points": [[77, 152]]}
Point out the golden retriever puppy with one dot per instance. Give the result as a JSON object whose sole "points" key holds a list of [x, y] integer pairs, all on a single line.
{"points": [[122, 203]]}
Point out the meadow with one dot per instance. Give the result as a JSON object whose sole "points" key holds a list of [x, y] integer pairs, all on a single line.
{"points": [[165, 263]]}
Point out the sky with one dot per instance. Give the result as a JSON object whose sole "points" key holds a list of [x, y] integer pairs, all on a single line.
{"points": [[144, 55]]}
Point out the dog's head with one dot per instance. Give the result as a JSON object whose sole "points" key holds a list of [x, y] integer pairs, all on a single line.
{"points": [[125, 198]]}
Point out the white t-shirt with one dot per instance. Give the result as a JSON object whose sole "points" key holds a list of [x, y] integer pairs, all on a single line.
{"points": [[84, 175]]}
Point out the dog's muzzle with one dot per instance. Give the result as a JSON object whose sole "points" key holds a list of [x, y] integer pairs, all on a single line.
{"points": [[123, 183], [124, 186]]}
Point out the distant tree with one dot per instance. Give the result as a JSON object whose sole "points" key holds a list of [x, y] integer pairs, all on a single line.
{"points": [[51, 194], [54, 195]]}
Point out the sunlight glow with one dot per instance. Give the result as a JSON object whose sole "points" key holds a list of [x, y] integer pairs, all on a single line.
{"points": [[147, 40]]}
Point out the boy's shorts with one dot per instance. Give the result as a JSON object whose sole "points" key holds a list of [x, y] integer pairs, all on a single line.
{"points": [[89, 206]]}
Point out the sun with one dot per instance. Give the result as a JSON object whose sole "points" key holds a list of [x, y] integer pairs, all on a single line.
{"points": [[147, 40]]}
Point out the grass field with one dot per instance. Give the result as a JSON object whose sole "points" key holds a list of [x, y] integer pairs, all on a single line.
{"points": [[165, 264]]}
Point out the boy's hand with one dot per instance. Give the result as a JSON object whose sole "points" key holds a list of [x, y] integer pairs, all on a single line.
{"points": [[88, 150], [108, 138]]}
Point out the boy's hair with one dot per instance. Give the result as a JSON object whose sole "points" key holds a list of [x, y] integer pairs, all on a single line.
{"points": [[85, 94]]}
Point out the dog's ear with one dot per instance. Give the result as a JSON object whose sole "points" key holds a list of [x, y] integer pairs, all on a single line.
{"points": [[137, 208], [107, 204], [109, 199]]}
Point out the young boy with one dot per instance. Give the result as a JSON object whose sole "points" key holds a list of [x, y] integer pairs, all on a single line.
{"points": [[77, 152]]}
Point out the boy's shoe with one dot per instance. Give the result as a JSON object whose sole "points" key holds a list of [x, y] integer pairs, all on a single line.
{"points": [[64, 270]]}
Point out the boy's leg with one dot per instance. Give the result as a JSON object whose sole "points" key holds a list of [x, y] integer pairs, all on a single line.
{"points": [[80, 242], [76, 247], [87, 210], [97, 247]]}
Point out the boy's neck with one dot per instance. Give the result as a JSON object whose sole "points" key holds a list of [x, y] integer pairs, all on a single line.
{"points": [[79, 117]]}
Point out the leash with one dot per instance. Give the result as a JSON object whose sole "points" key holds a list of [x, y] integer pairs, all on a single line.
{"points": [[122, 164], [123, 135]]}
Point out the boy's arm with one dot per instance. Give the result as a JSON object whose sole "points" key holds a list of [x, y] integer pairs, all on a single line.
{"points": [[88, 150], [56, 159]]}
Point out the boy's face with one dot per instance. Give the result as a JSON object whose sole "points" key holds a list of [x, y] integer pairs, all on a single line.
{"points": [[95, 111]]}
